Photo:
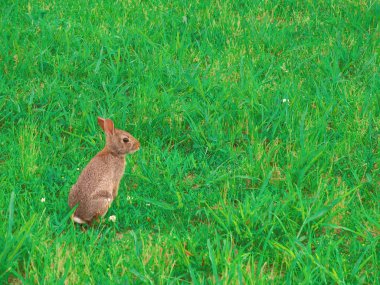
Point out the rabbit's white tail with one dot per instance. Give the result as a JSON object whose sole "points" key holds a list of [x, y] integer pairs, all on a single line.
{"points": [[78, 220]]}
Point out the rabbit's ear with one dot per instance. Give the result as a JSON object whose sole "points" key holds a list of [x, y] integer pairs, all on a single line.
{"points": [[101, 123], [109, 127]]}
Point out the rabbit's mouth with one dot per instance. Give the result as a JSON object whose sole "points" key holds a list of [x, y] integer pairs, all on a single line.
{"points": [[134, 150]]}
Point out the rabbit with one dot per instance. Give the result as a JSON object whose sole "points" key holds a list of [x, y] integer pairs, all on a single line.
{"points": [[98, 184]]}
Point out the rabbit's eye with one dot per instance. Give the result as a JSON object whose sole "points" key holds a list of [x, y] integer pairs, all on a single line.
{"points": [[125, 140]]}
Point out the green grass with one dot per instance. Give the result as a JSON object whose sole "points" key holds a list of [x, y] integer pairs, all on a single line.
{"points": [[232, 185]]}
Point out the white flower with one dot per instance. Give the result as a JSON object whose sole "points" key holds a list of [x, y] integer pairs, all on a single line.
{"points": [[78, 168], [112, 218], [129, 198], [43, 200], [283, 67], [148, 204], [285, 100]]}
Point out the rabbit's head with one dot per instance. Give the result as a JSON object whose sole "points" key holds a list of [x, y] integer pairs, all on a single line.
{"points": [[118, 141]]}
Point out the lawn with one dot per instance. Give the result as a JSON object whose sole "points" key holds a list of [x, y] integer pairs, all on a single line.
{"points": [[259, 124]]}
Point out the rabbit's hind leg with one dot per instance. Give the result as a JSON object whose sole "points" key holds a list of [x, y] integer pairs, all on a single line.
{"points": [[99, 207], [80, 215]]}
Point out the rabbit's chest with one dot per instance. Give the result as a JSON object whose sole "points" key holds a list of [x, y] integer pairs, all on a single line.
{"points": [[119, 171]]}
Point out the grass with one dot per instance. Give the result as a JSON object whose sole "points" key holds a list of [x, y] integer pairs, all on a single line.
{"points": [[260, 130]]}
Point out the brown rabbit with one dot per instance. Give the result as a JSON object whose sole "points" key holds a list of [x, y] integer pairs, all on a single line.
{"points": [[98, 184]]}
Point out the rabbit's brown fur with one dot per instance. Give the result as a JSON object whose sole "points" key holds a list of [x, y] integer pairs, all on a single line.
{"points": [[98, 184]]}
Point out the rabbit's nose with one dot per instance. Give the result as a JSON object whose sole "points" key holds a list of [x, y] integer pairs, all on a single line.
{"points": [[137, 145]]}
